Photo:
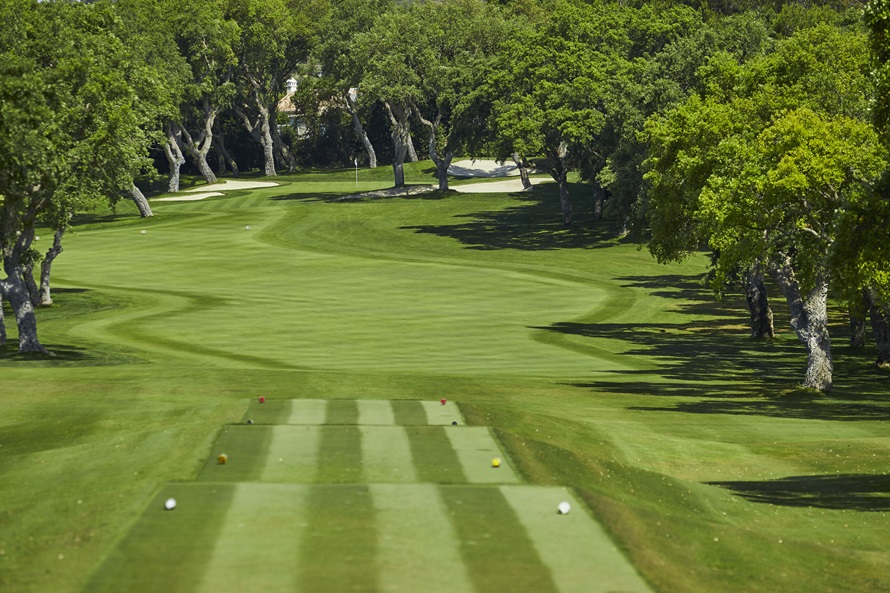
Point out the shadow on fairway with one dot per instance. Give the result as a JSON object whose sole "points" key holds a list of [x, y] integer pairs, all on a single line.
{"points": [[714, 361], [536, 224], [855, 492], [709, 354]]}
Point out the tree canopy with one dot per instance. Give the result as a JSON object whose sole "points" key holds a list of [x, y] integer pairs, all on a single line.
{"points": [[751, 130]]}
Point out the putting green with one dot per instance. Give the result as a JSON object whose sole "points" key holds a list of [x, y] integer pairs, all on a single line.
{"points": [[353, 454], [379, 537]]}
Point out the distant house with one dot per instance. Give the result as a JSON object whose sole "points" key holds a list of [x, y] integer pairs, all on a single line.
{"points": [[286, 106]]}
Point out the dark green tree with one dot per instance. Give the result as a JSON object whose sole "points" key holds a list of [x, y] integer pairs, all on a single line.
{"points": [[71, 131]]}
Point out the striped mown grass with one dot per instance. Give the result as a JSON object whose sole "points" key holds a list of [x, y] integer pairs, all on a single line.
{"points": [[353, 412], [383, 538], [336, 505], [352, 454]]}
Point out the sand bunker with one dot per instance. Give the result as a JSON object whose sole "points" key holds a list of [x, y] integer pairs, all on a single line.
{"points": [[482, 168], [190, 197], [200, 192], [232, 185], [497, 187]]}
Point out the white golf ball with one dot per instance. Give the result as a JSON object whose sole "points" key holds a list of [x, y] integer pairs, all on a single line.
{"points": [[247, 228], [170, 504], [142, 232], [564, 508]]}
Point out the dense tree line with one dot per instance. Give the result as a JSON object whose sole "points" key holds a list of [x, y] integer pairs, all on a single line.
{"points": [[759, 130]]}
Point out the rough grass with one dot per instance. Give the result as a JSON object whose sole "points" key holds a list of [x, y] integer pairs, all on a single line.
{"points": [[597, 368]]}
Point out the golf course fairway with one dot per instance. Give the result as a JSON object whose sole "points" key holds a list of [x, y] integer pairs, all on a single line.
{"points": [[690, 459]]}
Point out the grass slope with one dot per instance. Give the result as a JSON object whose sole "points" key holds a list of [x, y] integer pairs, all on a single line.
{"points": [[596, 368]]}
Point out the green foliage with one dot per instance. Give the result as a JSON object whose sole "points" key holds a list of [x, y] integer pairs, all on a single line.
{"points": [[717, 146], [787, 191], [551, 81], [71, 125], [877, 16]]}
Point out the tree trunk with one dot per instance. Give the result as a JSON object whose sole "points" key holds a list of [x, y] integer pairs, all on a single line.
{"points": [[442, 168], [174, 156], [220, 145], [199, 147], [567, 217], [2, 322], [46, 268], [598, 202], [444, 161], [141, 202], [559, 172], [809, 318], [858, 331], [360, 132], [523, 170], [859, 311], [30, 284], [880, 325], [262, 133], [289, 161], [412, 152], [20, 301], [758, 304], [400, 138]]}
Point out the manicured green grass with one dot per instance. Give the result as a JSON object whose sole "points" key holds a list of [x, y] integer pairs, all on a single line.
{"points": [[378, 537], [596, 368]]}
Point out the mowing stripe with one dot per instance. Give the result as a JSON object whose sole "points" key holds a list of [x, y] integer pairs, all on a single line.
{"points": [[386, 455], [342, 411], [292, 454], [495, 546], [476, 448], [580, 555], [339, 549], [258, 540], [418, 549], [270, 412], [167, 550], [409, 413], [439, 415], [339, 457], [308, 411], [375, 412], [247, 448], [433, 456], [352, 412]]}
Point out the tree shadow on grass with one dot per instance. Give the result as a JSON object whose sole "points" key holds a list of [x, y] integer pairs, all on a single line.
{"points": [[69, 303], [364, 196], [857, 492], [65, 355], [711, 362], [534, 224]]}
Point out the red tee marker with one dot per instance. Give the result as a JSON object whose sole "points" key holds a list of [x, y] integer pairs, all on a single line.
{"points": [[262, 399], [442, 401]]}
